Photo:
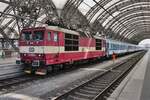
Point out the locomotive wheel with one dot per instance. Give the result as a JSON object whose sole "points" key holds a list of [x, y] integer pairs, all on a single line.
{"points": [[49, 68], [29, 70], [55, 68], [61, 66]]}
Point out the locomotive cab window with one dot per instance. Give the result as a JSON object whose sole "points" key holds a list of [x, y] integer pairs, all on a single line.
{"points": [[98, 44], [26, 35], [38, 35]]}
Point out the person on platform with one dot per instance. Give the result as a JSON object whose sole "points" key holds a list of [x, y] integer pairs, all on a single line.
{"points": [[114, 57], [3, 54]]}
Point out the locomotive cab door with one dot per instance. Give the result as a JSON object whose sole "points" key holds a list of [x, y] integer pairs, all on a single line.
{"points": [[53, 43], [56, 43]]}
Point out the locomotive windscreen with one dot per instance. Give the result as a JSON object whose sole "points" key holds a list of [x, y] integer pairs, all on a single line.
{"points": [[38, 35], [26, 35], [34, 36]]}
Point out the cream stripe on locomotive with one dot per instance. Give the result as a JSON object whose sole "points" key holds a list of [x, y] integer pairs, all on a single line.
{"points": [[53, 49]]}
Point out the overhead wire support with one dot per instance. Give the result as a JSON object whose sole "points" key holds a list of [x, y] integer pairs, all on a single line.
{"points": [[16, 16], [111, 16], [4, 1]]}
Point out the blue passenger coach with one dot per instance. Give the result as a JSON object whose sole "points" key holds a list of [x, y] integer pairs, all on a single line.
{"points": [[119, 47]]}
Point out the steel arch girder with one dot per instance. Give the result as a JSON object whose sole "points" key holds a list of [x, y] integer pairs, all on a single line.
{"points": [[130, 22], [125, 19], [111, 11]]}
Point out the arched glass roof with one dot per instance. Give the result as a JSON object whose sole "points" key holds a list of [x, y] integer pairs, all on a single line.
{"points": [[124, 20]]}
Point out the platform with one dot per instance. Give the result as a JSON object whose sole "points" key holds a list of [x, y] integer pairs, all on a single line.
{"points": [[136, 85], [9, 68], [10, 60]]}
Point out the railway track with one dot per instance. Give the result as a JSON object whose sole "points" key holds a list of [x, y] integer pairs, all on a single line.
{"points": [[15, 78], [101, 86], [6, 83], [10, 71]]}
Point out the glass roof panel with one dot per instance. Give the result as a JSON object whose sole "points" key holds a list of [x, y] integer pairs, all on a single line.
{"points": [[107, 20], [89, 2], [42, 17], [84, 8], [135, 6], [59, 3], [3, 6], [110, 18], [97, 14], [111, 3]]}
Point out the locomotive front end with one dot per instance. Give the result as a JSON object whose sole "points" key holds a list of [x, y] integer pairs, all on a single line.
{"points": [[31, 46]]}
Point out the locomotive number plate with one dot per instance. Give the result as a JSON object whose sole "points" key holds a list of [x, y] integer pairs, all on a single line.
{"points": [[31, 49]]}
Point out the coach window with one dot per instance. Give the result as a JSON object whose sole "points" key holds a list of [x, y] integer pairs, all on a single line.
{"points": [[49, 36], [55, 36]]}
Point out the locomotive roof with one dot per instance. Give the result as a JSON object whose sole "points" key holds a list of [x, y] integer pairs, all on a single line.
{"points": [[56, 28], [98, 37]]}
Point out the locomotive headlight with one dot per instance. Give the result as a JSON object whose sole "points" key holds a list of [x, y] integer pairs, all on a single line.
{"points": [[40, 55], [25, 54]]}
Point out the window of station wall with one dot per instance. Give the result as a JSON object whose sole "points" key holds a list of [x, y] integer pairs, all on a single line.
{"points": [[98, 44], [71, 42]]}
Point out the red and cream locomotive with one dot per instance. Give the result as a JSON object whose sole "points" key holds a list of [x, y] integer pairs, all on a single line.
{"points": [[42, 48]]}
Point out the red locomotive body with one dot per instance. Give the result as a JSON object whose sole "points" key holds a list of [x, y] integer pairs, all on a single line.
{"points": [[43, 47]]}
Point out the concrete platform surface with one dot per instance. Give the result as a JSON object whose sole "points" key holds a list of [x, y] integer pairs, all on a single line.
{"points": [[10, 60], [136, 85]]}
